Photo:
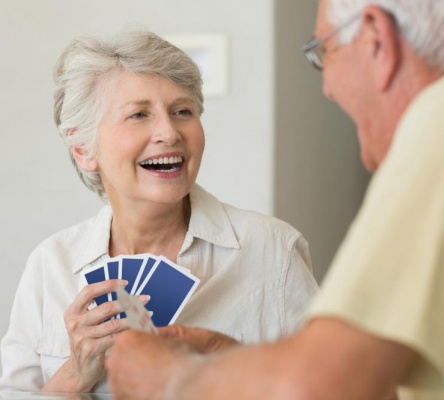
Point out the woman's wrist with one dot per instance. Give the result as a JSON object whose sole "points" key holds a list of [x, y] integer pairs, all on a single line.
{"points": [[67, 379]]}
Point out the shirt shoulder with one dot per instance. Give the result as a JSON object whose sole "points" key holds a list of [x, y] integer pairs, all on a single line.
{"points": [[261, 224], [228, 226]]}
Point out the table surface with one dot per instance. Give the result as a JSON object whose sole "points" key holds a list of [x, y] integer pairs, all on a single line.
{"points": [[54, 396]]}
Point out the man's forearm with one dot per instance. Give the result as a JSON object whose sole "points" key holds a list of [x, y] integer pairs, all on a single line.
{"points": [[327, 360]]}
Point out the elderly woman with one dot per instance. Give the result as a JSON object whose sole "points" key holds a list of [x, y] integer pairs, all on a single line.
{"points": [[129, 110]]}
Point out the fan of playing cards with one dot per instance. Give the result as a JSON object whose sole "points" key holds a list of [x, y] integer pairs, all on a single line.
{"points": [[169, 285]]}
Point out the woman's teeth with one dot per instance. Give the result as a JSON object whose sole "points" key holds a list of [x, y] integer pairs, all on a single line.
{"points": [[163, 160], [165, 164]]}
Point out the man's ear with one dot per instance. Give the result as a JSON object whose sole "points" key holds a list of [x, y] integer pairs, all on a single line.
{"points": [[383, 44], [82, 158]]}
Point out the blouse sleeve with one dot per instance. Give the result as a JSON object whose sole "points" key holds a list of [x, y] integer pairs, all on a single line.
{"points": [[300, 286], [21, 369]]}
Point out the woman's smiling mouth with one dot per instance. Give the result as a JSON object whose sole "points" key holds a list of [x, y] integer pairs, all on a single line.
{"points": [[163, 164]]}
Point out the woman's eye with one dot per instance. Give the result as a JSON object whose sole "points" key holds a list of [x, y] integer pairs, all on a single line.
{"points": [[138, 115], [183, 111]]}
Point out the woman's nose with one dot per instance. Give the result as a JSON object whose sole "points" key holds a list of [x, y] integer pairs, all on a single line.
{"points": [[165, 131]]}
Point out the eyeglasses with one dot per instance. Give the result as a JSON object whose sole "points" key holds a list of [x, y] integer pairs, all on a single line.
{"points": [[314, 52]]}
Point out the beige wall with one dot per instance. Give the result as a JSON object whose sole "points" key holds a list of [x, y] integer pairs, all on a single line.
{"points": [[319, 180]]}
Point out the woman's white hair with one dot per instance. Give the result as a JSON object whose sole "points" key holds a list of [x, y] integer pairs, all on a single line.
{"points": [[85, 68], [420, 21]]}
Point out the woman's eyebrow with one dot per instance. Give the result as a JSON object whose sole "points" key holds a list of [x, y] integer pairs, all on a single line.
{"points": [[141, 102], [184, 99], [146, 102]]}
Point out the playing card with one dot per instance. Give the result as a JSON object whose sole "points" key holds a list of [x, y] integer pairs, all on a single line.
{"points": [[138, 316], [169, 288], [94, 275], [144, 270], [129, 270], [113, 273], [169, 285]]}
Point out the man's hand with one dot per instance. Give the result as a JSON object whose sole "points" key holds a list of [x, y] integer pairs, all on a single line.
{"points": [[200, 340], [144, 366]]}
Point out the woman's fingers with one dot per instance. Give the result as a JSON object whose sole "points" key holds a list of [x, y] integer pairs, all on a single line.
{"points": [[101, 313], [82, 322], [92, 332], [106, 310], [108, 328], [87, 295]]}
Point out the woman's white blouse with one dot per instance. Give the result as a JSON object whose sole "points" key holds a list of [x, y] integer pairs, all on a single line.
{"points": [[255, 284]]}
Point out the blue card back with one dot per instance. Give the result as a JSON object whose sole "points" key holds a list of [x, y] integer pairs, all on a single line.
{"points": [[169, 288], [130, 270], [94, 276], [113, 273], [143, 273]]}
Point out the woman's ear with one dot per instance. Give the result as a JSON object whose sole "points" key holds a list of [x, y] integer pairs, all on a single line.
{"points": [[384, 45], [83, 160]]}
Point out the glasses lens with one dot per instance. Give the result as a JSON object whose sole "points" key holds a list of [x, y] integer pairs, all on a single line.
{"points": [[313, 52], [315, 57]]}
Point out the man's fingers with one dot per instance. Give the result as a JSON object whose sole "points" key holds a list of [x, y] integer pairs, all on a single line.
{"points": [[200, 340], [173, 331]]}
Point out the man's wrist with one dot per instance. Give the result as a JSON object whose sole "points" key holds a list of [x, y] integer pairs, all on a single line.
{"points": [[182, 378]]}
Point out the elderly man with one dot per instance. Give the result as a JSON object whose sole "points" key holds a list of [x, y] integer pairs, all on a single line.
{"points": [[378, 322]]}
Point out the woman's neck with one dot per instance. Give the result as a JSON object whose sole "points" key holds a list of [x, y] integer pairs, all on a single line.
{"points": [[155, 229]]}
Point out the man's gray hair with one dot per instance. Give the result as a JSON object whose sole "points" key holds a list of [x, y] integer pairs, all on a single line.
{"points": [[421, 23], [85, 68]]}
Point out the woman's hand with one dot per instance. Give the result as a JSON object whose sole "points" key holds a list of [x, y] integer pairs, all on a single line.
{"points": [[200, 340], [90, 338]]}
